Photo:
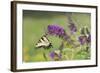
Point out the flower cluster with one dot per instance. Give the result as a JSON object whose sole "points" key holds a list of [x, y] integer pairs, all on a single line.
{"points": [[85, 36], [56, 30]]}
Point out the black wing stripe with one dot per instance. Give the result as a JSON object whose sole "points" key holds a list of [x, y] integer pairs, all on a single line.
{"points": [[42, 38]]}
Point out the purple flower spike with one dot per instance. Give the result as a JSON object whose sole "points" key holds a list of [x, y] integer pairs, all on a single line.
{"points": [[55, 30], [55, 55], [73, 28]]}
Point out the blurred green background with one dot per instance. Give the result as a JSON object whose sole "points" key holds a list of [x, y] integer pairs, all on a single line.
{"points": [[35, 25]]}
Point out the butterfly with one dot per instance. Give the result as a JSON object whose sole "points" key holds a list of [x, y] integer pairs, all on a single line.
{"points": [[44, 43]]}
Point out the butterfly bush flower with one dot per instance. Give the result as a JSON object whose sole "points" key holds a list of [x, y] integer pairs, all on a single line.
{"points": [[57, 31], [85, 38], [72, 28], [55, 55], [82, 39]]}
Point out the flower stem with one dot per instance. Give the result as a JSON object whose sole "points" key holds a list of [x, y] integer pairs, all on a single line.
{"points": [[61, 46], [44, 55]]}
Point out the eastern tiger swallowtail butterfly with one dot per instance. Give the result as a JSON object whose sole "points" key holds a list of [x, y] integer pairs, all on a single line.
{"points": [[43, 43]]}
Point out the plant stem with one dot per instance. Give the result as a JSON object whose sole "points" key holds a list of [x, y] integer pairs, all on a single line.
{"points": [[44, 55]]}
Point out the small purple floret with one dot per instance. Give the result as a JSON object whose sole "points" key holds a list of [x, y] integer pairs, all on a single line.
{"points": [[52, 54]]}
